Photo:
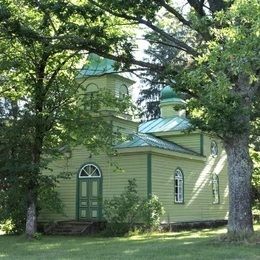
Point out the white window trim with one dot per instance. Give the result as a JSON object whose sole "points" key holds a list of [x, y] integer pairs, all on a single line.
{"points": [[89, 176], [213, 148], [215, 190], [179, 196]]}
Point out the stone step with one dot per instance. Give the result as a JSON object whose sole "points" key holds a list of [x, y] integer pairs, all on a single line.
{"points": [[71, 228]]}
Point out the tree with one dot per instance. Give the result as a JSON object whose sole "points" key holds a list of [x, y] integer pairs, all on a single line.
{"points": [[217, 64], [159, 53], [148, 101], [44, 104], [219, 69]]}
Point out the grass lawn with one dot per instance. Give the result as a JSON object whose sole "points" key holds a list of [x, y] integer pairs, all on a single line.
{"points": [[184, 245]]}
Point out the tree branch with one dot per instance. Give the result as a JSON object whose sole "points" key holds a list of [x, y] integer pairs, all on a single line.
{"points": [[175, 13], [166, 44], [198, 6], [56, 71], [217, 5], [150, 25], [182, 45]]}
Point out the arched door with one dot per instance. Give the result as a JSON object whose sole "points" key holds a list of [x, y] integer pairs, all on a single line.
{"points": [[89, 193]]}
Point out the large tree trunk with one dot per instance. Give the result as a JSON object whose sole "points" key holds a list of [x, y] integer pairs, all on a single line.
{"points": [[240, 223], [31, 223]]}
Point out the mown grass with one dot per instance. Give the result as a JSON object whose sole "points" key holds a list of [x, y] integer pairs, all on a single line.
{"points": [[184, 245]]}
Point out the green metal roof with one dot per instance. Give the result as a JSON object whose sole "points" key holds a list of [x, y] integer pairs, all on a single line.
{"points": [[97, 66], [147, 140], [168, 92], [168, 124]]}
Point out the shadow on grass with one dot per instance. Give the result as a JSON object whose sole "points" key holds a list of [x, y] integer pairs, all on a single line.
{"points": [[182, 245]]}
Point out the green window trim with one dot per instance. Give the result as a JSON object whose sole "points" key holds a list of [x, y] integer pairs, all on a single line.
{"points": [[201, 144], [149, 175], [79, 179], [178, 186]]}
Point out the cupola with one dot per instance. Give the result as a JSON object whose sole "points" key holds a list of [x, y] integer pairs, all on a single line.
{"points": [[170, 104]]}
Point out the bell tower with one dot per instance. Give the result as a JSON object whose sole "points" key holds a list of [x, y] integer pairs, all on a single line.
{"points": [[99, 77], [170, 104]]}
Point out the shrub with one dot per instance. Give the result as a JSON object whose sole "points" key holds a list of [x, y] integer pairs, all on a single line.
{"points": [[128, 210], [7, 227], [151, 212]]}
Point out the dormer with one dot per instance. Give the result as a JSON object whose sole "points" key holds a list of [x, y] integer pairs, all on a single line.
{"points": [[170, 104]]}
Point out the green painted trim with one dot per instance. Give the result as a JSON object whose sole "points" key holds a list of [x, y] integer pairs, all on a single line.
{"points": [[100, 206], [201, 144], [149, 175], [77, 196], [100, 191]]}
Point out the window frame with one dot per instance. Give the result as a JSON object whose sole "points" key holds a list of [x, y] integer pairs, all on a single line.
{"points": [[123, 91], [178, 186], [214, 148], [89, 176], [215, 189]]}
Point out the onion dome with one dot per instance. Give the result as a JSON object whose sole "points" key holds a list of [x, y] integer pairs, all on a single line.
{"points": [[167, 93]]}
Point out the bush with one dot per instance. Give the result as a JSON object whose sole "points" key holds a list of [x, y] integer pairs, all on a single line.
{"points": [[7, 227], [256, 181], [13, 202], [123, 213], [151, 212], [13, 209]]}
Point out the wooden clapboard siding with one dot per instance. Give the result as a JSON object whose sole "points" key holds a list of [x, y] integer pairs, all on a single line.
{"points": [[108, 82], [66, 190], [100, 81], [191, 141], [124, 126], [197, 189], [116, 171], [206, 144], [131, 166]]}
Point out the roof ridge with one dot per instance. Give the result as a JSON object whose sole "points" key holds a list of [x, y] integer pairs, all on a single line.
{"points": [[165, 125]]}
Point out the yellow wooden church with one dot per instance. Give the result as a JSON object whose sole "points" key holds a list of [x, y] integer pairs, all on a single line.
{"points": [[187, 171]]}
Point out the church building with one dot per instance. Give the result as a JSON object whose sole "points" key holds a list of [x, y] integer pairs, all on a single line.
{"points": [[186, 170]]}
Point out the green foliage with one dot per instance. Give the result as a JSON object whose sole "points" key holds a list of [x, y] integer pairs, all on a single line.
{"points": [[148, 102], [13, 197], [121, 212], [235, 42], [256, 180], [7, 227], [13, 209], [40, 53], [151, 212], [216, 63], [48, 197], [124, 212]]}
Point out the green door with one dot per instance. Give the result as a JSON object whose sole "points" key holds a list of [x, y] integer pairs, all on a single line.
{"points": [[90, 194]]}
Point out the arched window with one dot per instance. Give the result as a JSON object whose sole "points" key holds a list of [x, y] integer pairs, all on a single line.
{"points": [[89, 171], [92, 87], [178, 186], [123, 92], [91, 101], [215, 188], [213, 148]]}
